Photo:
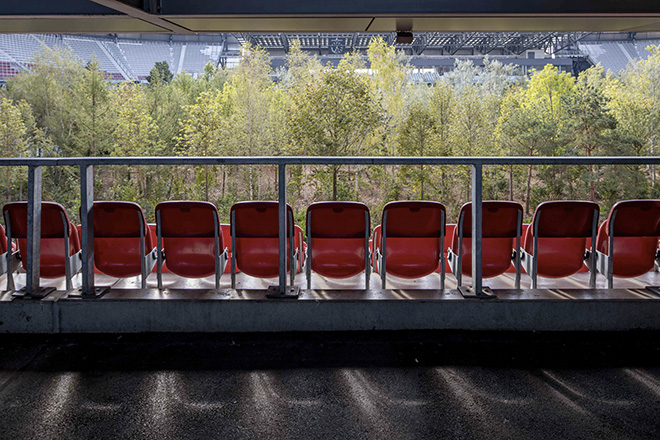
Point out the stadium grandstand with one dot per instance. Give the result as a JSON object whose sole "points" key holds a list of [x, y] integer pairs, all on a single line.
{"points": [[131, 56]]}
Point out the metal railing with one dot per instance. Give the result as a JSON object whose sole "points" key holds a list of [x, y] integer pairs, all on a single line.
{"points": [[35, 166]]}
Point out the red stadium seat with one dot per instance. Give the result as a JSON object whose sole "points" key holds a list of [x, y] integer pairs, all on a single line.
{"points": [[226, 238], [338, 240], [123, 246], [190, 237], [632, 231], [60, 245], [7, 259], [255, 240], [501, 232], [555, 242], [410, 241]]}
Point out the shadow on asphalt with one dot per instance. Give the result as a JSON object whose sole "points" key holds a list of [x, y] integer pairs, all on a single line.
{"points": [[135, 352]]}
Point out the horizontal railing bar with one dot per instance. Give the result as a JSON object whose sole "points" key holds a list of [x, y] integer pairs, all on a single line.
{"points": [[332, 160]]}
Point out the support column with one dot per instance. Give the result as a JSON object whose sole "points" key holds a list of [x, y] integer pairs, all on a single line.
{"points": [[477, 290], [87, 223], [281, 290], [33, 231]]}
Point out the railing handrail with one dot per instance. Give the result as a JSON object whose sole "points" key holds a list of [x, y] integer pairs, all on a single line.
{"points": [[333, 160], [86, 165]]}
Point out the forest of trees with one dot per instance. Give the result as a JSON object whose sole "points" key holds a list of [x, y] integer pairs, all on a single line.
{"points": [[64, 108]]}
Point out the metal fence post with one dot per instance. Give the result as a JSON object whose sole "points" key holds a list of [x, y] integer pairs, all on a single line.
{"points": [[477, 289], [476, 228], [281, 291], [87, 224], [33, 231]]}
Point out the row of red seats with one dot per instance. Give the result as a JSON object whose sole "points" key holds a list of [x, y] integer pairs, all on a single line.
{"points": [[409, 242]]}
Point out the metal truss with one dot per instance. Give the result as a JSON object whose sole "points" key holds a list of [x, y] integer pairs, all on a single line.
{"points": [[508, 43]]}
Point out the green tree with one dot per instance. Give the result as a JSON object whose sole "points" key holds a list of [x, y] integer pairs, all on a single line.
{"points": [[334, 115], [590, 123], [442, 103], [48, 89], [533, 122], [205, 130], [94, 113], [160, 73], [250, 92], [635, 102], [135, 134], [418, 137], [13, 138]]}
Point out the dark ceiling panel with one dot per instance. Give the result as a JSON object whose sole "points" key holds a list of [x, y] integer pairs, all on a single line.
{"points": [[329, 15], [522, 24], [403, 7], [52, 7], [260, 24], [70, 25]]}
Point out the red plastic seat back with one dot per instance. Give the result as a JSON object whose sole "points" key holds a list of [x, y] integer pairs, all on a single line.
{"points": [[188, 231], [226, 237], [53, 218], [3, 240], [256, 226], [563, 229], [337, 239], [636, 231], [499, 229], [413, 230], [117, 238]]}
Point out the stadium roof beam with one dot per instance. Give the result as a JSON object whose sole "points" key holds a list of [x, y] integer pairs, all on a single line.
{"points": [[141, 14], [276, 16]]}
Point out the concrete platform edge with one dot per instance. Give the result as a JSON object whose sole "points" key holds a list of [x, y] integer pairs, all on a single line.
{"points": [[148, 315]]}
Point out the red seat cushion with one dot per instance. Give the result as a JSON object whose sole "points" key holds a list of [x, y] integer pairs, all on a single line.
{"points": [[259, 257], [338, 258], [412, 257]]}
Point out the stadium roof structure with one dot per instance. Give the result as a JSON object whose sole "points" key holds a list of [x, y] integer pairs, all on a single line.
{"points": [[264, 16], [448, 43]]}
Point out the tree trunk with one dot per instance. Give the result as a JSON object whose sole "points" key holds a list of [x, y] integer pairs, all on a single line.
{"points": [[592, 184], [206, 183], [334, 182], [250, 182], [224, 176], [442, 185], [529, 185], [511, 183], [421, 172], [8, 184]]}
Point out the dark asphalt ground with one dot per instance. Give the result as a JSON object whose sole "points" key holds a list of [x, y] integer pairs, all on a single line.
{"points": [[386, 385]]}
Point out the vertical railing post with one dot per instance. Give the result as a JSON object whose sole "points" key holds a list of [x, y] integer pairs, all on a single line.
{"points": [[281, 291], [87, 228], [476, 228], [477, 289], [33, 230], [281, 178]]}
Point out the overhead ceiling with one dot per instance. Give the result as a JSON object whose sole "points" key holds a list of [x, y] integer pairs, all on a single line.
{"points": [[197, 16]]}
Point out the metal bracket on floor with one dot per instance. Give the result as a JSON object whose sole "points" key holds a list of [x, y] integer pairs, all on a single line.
{"points": [[274, 292], [98, 292], [468, 292], [40, 293]]}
